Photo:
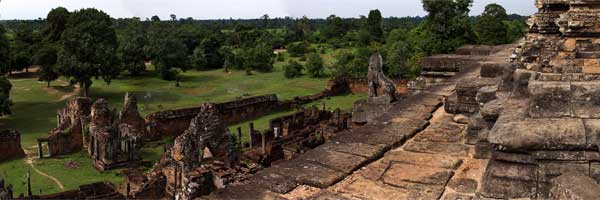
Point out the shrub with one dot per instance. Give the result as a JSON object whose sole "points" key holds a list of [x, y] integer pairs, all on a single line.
{"points": [[314, 65], [292, 69]]}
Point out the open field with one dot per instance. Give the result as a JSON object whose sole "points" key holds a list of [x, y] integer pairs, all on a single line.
{"points": [[35, 107]]}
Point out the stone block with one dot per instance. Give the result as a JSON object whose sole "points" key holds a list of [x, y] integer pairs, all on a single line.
{"points": [[592, 133], [360, 149], [343, 162], [509, 181], [267, 179], [486, 94], [424, 159], [491, 110], [539, 134], [574, 186], [368, 189], [548, 170], [309, 173], [400, 173], [492, 70], [550, 99], [453, 149], [521, 79]]}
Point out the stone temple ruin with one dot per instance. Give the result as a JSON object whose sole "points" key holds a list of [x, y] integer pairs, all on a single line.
{"points": [[112, 139], [10, 145], [542, 135], [115, 140]]}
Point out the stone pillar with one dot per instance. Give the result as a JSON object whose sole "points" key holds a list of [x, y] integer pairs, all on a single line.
{"points": [[251, 135], [239, 129], [264, 144], [40, 150], [276, 132], [29, 194]]}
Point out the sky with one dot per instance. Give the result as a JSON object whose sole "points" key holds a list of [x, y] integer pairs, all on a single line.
{"points": [[225, 9]]}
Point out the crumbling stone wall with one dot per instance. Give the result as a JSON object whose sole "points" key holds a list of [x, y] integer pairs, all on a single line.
{"points": [[10, 145], [99, 190], [180, 168], [115, 140], [69, 137]]}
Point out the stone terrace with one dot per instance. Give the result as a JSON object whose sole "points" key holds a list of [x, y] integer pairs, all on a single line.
{"points": [[415, 151]]}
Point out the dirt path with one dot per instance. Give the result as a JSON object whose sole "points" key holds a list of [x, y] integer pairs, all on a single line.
{"points": [[70, 94], [29, 161]]}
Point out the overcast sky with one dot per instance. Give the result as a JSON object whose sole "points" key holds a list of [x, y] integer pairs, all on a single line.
{"points": [[219, 9]]}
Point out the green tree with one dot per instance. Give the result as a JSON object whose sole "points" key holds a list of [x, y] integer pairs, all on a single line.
{"points": [[314, 65], [352, 63], [397, 58], [89, 46], [171, 54], [297, 49], [375, 25], [335, 27], [56, 23], [4, 52], [490, 27], [446, 27], [46, 58], [5, 101], [259, 58], [515, 30], [292, 69], [207, 54], [131, 47], [25, 44]]}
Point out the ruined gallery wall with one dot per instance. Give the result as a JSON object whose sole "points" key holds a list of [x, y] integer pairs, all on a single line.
{"points": [[361, 85], [10, 145], [175, 122]]}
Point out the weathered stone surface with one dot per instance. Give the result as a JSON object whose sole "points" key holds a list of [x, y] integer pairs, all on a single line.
{"points": [[463, 185], [243, 192], [456, 196], [400, 173], [491, 110], [592, 133], [492, 70], [343, 162], [486, 94], [375, 170], [430, 147], [539, 134], [461, 119], [440, 135], [595, 171], [521, 81], [514, 157], [309, 173], [365, 150], [574, 186], [551, 169], [328, 195], [267, 179], [550, 99], [424, 159], [514, 171], [368, 189], [509, 180]]}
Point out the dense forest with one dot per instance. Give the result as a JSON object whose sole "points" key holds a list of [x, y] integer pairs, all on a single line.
{"points": [[88, 44]]}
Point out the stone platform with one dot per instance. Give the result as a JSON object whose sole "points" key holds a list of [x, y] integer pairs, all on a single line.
{"points": [[413, 151]]}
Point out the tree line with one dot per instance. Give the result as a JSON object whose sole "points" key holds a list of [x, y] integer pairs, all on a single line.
{"points": [[87, 44]]}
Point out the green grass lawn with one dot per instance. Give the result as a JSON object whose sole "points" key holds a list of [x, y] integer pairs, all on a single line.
{"points": [[35, 109]]}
